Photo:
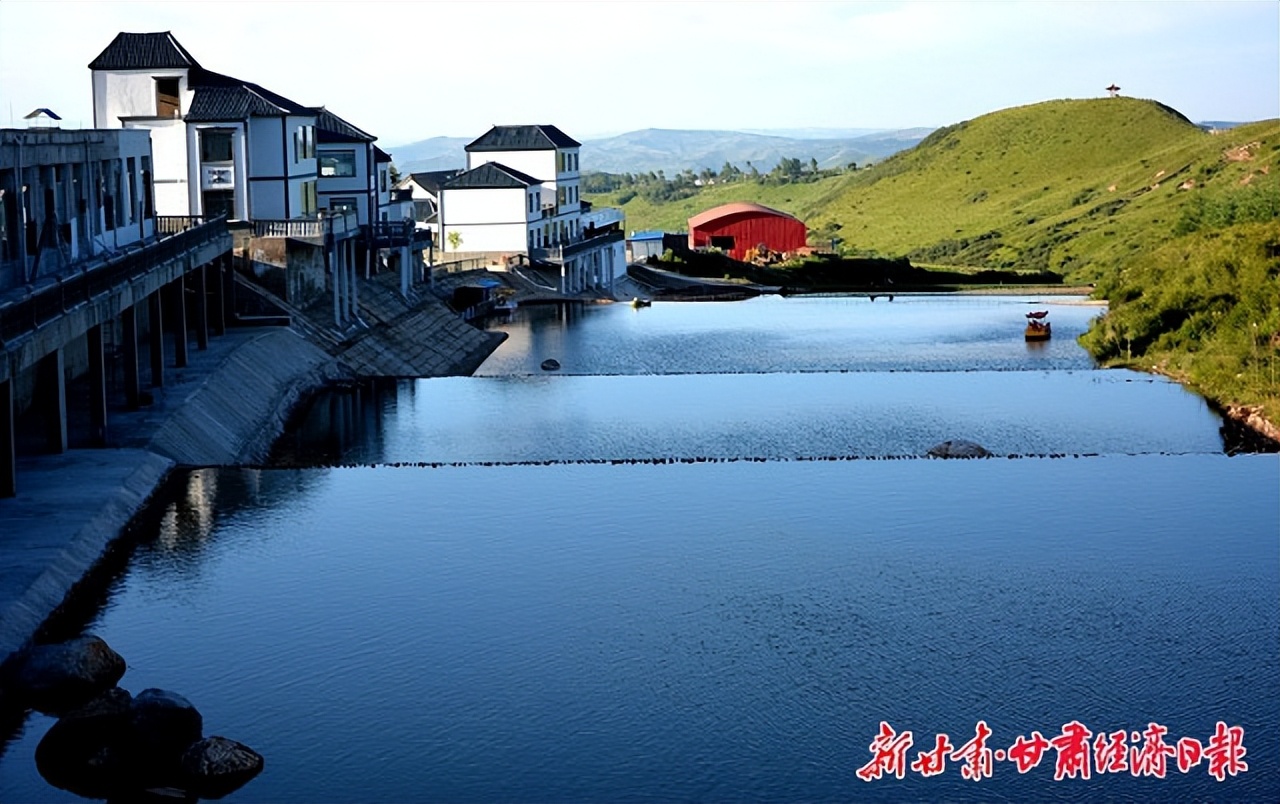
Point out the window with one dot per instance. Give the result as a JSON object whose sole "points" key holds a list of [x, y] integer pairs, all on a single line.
{"points": [[215, 145], [722, 242], [382, 180], [309, 200], [167, 102], [338, 164], [304, 143], [342, 204], [560, 196]]}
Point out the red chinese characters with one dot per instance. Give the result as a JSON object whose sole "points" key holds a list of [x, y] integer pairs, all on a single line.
{"points": [[1225, 752], [1148, 759], [1028, 753], [975, 755], [889, 754], [1073, 751], [932, 763]]}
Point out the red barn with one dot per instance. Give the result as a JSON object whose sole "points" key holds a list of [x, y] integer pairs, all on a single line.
{"points": [[738, 227]]}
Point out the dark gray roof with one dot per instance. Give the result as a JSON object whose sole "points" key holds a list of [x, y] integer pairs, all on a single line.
{"points": [[43, 111], [433, 180], [221, 97], [380, 155], [143, 51], [490, 175], [331, 128], [523, 138]]}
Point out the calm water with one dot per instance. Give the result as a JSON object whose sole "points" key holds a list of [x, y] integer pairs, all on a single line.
{"points": [[724, 630]]}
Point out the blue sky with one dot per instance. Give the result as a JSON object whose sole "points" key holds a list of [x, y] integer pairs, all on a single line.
{"points": [[410, 70]]}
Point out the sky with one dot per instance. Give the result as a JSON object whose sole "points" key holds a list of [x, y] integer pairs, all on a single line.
{"points": [[407, 70]]}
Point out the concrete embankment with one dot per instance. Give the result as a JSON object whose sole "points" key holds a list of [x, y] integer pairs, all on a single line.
{"points": [[226, 408]]}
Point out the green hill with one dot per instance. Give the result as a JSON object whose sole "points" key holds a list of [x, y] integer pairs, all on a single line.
{"points": [[1180, 228]]}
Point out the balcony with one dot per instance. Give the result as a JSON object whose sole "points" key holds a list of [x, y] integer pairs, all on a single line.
{"points": [[340, 225], [559, 252]]}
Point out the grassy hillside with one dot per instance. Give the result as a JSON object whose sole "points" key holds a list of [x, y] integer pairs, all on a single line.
{"points": [[1179, 228], [1075, 187]]}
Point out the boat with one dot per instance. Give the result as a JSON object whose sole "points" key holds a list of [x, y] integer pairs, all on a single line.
{"points": [[638, 302], [1038, 328]]}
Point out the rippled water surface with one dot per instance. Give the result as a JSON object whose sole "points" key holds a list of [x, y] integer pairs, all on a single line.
{"points": [[581, 628]]}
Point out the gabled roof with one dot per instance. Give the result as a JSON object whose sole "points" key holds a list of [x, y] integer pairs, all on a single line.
{"points": [[331, 128], [431, 181], [490, 175], [222, 97], [143, 51], [735, 208], [380, 155], [523, 138], [42, 112]]}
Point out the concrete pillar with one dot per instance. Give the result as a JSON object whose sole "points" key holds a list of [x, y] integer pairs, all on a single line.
{"points": [[202, 309], [405, 268], [335, 266], [8, 443], [97, 387], [355, 277], [129, 328], [155, 326], [178, 297], [52, 396], [219, 300]]}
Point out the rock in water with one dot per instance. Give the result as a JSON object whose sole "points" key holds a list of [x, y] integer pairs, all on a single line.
{"points": [[216, 765], [163, 723], [88, 750], [63, 675], [958, 448], [550, 364]]}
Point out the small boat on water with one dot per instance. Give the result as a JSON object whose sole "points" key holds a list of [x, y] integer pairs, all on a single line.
{"points": [[638, 302], [1038, 328]]}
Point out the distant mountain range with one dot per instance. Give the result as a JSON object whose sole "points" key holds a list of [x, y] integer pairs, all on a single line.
{"points": [[672, 151]]}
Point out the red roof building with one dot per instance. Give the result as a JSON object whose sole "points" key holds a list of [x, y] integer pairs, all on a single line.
{"points": [[738, 227]]}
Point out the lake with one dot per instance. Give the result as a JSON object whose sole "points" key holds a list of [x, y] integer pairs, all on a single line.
{"points": [[703, 563]]}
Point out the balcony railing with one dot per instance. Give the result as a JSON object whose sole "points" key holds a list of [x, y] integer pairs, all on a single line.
{"points": [[559, 252], [341, 223], [53, 297]]}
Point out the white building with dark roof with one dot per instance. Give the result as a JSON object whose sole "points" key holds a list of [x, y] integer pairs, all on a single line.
{"points": [[519, 197], [221, 145]]}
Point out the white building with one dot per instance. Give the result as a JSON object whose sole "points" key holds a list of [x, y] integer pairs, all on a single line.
{"points": [[220, 144], [354, 173], [519, 196]]}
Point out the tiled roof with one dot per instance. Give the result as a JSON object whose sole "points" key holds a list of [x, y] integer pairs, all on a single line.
{"points": [[523, 138], [143, 51], [221, 97], [431, 181], [490, 175], [380, 155], [331, 128]]}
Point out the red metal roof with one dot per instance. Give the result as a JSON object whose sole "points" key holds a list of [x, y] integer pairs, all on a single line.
{"points": [[735, 208]]}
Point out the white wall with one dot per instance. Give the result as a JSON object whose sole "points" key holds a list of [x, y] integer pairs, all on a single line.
{"points": [[169, 164], [266, 200], [538, 164], [487, 219], [132, 93], [357, 186]]}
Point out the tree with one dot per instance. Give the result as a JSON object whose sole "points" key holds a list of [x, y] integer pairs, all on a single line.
{"points": [[395, 174], [455, 240], [813, 165]]}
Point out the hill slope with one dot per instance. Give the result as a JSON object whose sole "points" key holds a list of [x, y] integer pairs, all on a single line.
{"points": [[1068, 186]]}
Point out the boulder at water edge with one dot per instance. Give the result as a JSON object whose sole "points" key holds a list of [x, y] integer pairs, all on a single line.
{"points": [[215, 766], [163, 724], [62, 676], [958, 448], [88, 750]]}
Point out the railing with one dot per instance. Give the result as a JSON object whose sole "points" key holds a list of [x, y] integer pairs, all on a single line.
{"points": [[344, 222], [557, 252], [57, 295], [175, 224]]}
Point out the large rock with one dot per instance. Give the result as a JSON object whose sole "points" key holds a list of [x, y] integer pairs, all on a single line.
{"points": [[62, 676], [958, 448], [88, 750], [215, 766], [163, 724]]}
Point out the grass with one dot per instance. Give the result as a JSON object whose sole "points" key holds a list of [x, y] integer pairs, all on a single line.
{"points": [[1179, 228]]}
